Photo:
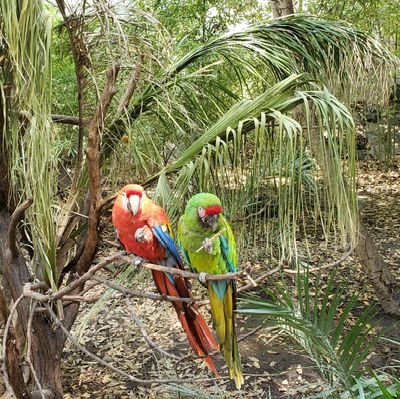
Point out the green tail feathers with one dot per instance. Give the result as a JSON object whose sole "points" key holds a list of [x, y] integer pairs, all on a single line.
{"points": [[224, 323]]}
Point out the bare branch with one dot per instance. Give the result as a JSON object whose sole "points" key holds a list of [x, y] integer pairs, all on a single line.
{"points": [[318, 268], [81, 298], [14, 220], [93, 158], [133, 82], [29, 288], [191, 275], [82, 279], [258, 279], [28, 351], [140, 294], [108, 201], [4, 351], [66, 119], [116, 369], [146, 337]]}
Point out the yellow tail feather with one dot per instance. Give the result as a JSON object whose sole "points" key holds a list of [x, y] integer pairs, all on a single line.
{"points": [[224, 323]]}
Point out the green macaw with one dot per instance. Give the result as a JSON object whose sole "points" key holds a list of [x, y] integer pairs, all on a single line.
{"points": [[208, 244]]}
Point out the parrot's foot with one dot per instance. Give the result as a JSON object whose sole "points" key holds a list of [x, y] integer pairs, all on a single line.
{"points": [[137, 262], [207, 245], [140, 235], [202, 277]]}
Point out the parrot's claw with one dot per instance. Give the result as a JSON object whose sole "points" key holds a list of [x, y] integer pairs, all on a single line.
{"points": [[202, 277], [140, 235], [137, 261], [208, 245]]}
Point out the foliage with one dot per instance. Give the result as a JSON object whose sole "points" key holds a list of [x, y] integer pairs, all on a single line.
{"points": [[380, 17], [26, 36], [308, 314], [270, 171]]}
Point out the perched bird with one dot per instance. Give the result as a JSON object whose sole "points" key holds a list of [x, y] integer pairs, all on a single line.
{"points": [[208, 244], [143, 229]]}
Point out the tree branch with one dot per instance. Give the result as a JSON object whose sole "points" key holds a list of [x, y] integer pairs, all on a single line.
{"points": [[66, 119], [133, 82], [14, 220], [146, 337], [4, 349], [140, 294], [29, 349], [93, 158], [318, 268], [116, 369]]}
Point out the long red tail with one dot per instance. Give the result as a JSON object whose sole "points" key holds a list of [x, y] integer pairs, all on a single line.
{"points": [[197, 331]]}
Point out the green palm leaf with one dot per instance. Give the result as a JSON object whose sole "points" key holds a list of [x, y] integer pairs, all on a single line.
{"points": [[336, 346]]}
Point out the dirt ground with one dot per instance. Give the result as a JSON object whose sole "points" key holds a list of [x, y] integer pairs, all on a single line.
{"points": [[272, 367]]}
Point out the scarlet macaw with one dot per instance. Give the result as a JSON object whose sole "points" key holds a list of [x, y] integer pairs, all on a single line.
{"points": [[203, 226], [143, 229]]}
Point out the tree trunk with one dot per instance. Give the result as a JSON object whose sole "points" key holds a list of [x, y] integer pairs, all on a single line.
{"points": [[46, 344], [281, 8], [378, 272]]}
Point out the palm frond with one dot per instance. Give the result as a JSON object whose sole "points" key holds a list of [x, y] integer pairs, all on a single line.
{"points": [[26, 36], [272, 171], [311, 318]]}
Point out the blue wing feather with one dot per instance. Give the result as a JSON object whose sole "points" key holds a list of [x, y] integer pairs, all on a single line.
{"points": [[226, 254], [167, 242]]}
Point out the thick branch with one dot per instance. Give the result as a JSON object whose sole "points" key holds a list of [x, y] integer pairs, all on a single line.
{"points": [[93, 158], [4, 349], [66, 119], [14, 220], [191, 275]]}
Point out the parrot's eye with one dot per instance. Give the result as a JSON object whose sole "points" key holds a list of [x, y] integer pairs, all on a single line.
{"points": [[202, 212], [208, 220]]}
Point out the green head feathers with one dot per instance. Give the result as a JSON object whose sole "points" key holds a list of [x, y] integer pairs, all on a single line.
{"points": [[203, 200], [203, 210]]}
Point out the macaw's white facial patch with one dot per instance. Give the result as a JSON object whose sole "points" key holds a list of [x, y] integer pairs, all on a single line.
{"points": [[201, 212]]}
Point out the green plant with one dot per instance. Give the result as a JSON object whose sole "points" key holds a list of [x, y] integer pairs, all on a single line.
{"points": [[310, 315]]}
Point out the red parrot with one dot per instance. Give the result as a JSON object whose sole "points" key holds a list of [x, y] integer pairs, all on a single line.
{"points": [[144, 230]]}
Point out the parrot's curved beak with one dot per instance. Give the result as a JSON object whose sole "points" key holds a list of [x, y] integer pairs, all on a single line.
{"points": [[134, 202], [212, 221]]}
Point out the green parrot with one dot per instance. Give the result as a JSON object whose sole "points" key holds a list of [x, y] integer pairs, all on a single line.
{"points": [[208, 244]]}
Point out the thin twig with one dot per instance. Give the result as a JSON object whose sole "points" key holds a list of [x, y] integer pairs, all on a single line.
{"points": [[29, 348], [318, 268], [140, 294], [66, 119], [81, 298], [216, 235], [251, 332], [132, 84], [116, 369], [4, 354], [146, 337], [107, 201], [14, 220], [258, 279], [114, 244]]}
